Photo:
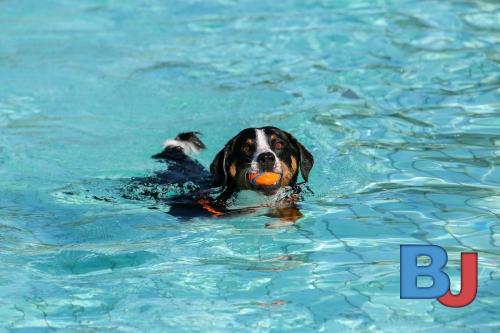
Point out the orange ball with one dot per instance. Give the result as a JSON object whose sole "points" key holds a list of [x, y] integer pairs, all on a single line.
{"points": [[267, 178]]}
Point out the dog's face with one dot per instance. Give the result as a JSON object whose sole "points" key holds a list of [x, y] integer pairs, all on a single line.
{"points": [[266, 151]]}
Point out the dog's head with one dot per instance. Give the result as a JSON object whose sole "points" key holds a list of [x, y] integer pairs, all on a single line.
{"points": [[265, 153]]}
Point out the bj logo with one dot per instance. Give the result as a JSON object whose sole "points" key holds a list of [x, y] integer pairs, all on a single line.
{"points": [[440, 287]]}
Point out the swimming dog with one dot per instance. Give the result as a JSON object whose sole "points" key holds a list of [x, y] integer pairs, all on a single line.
{"points": [[263, 160]]}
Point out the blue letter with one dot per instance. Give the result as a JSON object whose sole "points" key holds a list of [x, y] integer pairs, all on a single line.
{"points": [[410, 271]]}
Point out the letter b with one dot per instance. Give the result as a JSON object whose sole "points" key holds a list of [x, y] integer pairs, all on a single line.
{"points": [[410, 271]]}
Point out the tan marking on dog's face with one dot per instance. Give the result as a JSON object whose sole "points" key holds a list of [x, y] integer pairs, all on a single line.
{"points": [[288, 172], [249, 142], [286, 175], [232, 170], [273, 137], [294, 164]]}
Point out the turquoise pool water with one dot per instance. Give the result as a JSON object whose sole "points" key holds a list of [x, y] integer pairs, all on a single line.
{"points": [[398, 101]]}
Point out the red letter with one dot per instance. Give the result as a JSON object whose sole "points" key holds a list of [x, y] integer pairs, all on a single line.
{"points": [[468, 288]]}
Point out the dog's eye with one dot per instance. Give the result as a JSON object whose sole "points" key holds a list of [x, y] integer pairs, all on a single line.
{"points": [[279, 145], [246, 149]]}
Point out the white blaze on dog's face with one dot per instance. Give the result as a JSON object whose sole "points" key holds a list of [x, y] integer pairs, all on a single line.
{"points": [[261, 159], [264, 157]]}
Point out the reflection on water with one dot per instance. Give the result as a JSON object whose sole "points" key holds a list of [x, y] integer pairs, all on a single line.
{"points": [[398, 101]]}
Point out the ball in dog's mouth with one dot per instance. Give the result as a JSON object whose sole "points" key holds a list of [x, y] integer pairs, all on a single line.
{"points": [[267, 182]]}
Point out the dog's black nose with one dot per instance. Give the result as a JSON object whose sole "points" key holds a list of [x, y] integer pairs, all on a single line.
{"points": [[266, 161]]}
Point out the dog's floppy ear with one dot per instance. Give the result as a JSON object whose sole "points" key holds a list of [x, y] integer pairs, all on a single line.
{"points": [[306, 159], [218, 167]]}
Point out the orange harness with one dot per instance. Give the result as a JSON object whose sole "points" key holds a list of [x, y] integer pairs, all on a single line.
{"points": [[205, 204]]}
